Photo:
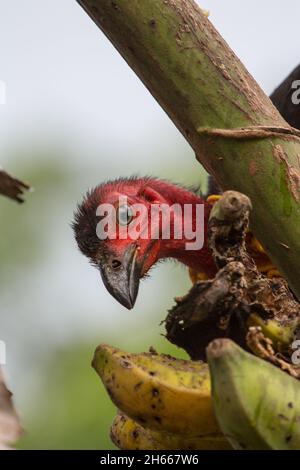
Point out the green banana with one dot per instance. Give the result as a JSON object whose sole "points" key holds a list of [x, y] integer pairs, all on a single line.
{"points": [[129, 435], [159, 392], [257, 405]]}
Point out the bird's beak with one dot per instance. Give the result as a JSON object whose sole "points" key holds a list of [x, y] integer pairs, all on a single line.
{"points": [[121, 276]]}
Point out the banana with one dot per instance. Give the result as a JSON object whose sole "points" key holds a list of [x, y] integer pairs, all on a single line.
{"points": [[129, 435], [157, 391], [257, 405], [281, 334]]}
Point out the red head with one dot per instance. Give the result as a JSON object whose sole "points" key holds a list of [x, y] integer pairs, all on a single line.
{"points": [[141, 235]]}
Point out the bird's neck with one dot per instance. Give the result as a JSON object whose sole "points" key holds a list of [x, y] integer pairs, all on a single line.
{"points": [[193, 218]]}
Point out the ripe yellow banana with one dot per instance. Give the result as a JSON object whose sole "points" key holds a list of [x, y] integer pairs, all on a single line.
{"points": [[157, 391], [129, 435], [257, 404]]}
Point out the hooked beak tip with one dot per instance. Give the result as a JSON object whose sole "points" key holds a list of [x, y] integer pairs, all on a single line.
{"points": [[123, 283], [124, 300]]}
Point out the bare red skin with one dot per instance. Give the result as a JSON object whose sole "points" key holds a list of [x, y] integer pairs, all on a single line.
{"points": [[149, 191]]}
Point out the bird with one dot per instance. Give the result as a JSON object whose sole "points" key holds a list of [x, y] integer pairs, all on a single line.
{"points": [[124, 260]]}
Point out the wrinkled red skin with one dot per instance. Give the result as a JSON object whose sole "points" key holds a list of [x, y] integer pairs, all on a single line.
{"points": [[149, 191]]}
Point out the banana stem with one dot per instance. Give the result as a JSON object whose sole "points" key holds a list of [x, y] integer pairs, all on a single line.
{"points": [[239, 296]]}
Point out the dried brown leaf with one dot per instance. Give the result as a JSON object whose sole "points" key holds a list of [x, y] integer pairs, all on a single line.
{"points": [[12, 187], [10, 428]]}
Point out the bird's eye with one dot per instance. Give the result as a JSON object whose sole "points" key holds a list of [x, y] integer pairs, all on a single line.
{"points": [[124, 214]]}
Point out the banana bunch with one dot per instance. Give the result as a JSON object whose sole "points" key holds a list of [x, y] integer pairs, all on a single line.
{"points": [[170, 404], [165, 402], [128, 434], [257, 404]]}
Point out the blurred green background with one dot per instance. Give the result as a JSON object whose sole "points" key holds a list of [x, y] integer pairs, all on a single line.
{"points": [[75, 115]]}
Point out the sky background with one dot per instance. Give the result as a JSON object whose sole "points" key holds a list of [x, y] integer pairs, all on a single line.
{"points": [[76, 115]]}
